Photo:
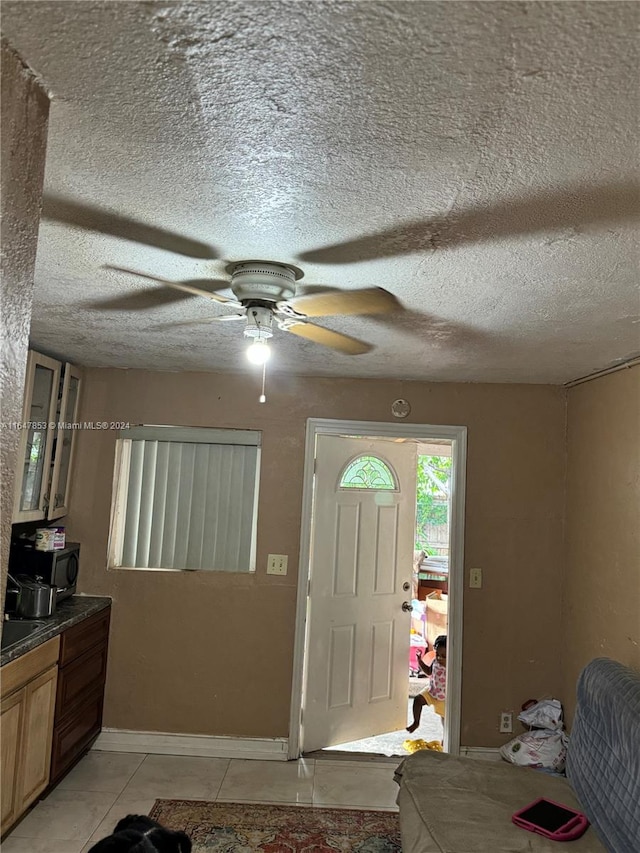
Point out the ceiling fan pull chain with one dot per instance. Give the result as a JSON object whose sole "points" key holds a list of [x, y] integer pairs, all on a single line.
{"points": [[262, 398]]}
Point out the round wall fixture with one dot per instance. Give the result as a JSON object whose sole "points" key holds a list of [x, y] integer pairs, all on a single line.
{"points": [[400, 408]]}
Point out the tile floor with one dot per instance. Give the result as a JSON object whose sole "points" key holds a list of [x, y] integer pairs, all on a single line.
{"points": [[106, 786]]}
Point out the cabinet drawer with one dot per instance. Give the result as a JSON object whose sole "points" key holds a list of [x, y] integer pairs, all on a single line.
{"points": [[80, 677], [75, 734], [75, 641], [17, 673]]}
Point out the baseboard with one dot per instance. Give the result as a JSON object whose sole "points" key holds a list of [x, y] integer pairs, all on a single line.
{"points": [[207, 746], [489, 753]]}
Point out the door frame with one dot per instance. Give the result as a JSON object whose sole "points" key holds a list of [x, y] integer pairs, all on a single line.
{"points": [[458, 437]]}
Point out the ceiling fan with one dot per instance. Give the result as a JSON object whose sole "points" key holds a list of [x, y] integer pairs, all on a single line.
{"points": [[265, 297], [265, 291]]}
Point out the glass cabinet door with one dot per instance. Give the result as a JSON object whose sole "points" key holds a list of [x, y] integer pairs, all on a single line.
{"points": [[41, 396], [64, 445]]}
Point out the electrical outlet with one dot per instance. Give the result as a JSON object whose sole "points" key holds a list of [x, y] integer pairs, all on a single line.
{"points": [[506, 722], [277, 564], [475, 578]]}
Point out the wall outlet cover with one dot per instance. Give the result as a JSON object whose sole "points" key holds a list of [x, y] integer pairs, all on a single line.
{"points": [[506, 722]]}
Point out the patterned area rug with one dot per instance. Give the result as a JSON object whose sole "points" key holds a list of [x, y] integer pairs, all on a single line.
{"points": [[249, 827]]}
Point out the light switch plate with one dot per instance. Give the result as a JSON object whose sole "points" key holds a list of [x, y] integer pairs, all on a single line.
{"points": [[277, 564], [475, 578]]}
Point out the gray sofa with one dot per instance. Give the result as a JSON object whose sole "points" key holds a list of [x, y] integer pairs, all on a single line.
{"points": [[463, 805]]}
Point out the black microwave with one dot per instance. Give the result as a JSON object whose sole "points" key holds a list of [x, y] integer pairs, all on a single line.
{"points": [[58, 568]]}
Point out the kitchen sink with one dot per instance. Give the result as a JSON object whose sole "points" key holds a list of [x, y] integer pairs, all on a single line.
{"points": [[14, 631]]}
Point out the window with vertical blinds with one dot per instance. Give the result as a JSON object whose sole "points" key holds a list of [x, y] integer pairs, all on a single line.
{"points": [[186, 498]]}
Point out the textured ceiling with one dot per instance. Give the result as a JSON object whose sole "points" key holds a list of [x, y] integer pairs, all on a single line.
{"points": [[476, 159]]}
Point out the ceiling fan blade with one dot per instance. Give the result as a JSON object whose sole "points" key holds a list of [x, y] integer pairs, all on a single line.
{"points": [[57, 209], [140, 300], [184, 286], [205, 321], [328, 338], [571, 207], [369, 300]]}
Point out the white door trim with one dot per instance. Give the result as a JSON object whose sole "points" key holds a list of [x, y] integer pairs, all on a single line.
{"points": [[458, 436]]}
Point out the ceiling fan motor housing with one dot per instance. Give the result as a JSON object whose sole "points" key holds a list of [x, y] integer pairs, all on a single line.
{"points": [[263, 281], [259, 323]]}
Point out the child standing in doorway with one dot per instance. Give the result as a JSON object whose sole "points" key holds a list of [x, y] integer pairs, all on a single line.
{"points": [[436, 692]]}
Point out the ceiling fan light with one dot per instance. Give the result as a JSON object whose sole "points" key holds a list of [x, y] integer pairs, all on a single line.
{"points": [[259, 352]]}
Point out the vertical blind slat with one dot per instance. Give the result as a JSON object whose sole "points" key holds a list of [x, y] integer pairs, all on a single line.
{"points": [[198, 500], [234, 529], [213, 502], [159, 505], [171, 507], [222, 521], [185, 497], [190, 506], [132, 516], [147, 486]]}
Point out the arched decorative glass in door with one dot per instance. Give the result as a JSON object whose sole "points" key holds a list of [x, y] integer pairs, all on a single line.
{"points": [[368, 472]]}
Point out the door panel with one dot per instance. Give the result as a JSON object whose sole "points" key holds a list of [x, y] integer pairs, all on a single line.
{"points": [[381, 660], [362, 543], [12, 716], [38, 728], [341, 666]]}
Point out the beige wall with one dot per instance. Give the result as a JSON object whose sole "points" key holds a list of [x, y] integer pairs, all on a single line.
{"points": [[25, 112], [212, 653], [601, 613]]}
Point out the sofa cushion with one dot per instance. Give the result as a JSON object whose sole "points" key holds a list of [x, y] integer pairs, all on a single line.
{"points": [[603, 763], [464, 805]]}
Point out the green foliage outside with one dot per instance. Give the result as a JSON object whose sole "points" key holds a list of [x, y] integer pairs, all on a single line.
{"points": [[432, 500]]}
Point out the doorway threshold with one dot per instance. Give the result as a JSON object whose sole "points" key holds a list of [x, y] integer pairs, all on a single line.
{"points": [[340, 755], [389, 746]]}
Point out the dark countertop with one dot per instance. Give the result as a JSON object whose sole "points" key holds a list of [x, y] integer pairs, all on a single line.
{"points": [[69, 612]]}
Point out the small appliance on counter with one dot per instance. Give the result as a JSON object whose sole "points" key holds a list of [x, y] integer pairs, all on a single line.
{"points": [[35, 599], [55, 568]]}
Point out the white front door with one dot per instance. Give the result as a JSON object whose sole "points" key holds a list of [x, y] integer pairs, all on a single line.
{"points": [[361, 555]]}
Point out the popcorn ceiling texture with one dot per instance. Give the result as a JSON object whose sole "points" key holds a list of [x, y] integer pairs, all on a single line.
{"points": [[25, 109], [273, 129]]}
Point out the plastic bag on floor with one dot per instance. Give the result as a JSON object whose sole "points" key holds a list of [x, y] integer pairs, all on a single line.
{"points": [[540, 748], [545, 714]]}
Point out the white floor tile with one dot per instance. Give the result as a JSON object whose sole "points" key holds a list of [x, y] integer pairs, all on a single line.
{"points": [[268, 781], [40, 845], [367, 786], [66, 815], [102, 771], [122, 807], [177, 776]]}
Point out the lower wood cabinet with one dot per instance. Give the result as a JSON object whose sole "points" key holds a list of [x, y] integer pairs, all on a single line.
{"points": [[51, 711], [28, 703], [80, 694]]}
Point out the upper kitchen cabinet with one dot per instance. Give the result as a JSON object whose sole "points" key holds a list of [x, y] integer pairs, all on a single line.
{"points": [[36, 438], [64, 443], [46, 441]]}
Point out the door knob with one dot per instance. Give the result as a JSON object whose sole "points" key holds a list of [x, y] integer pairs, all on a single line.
{"points": [[406, 606]]}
